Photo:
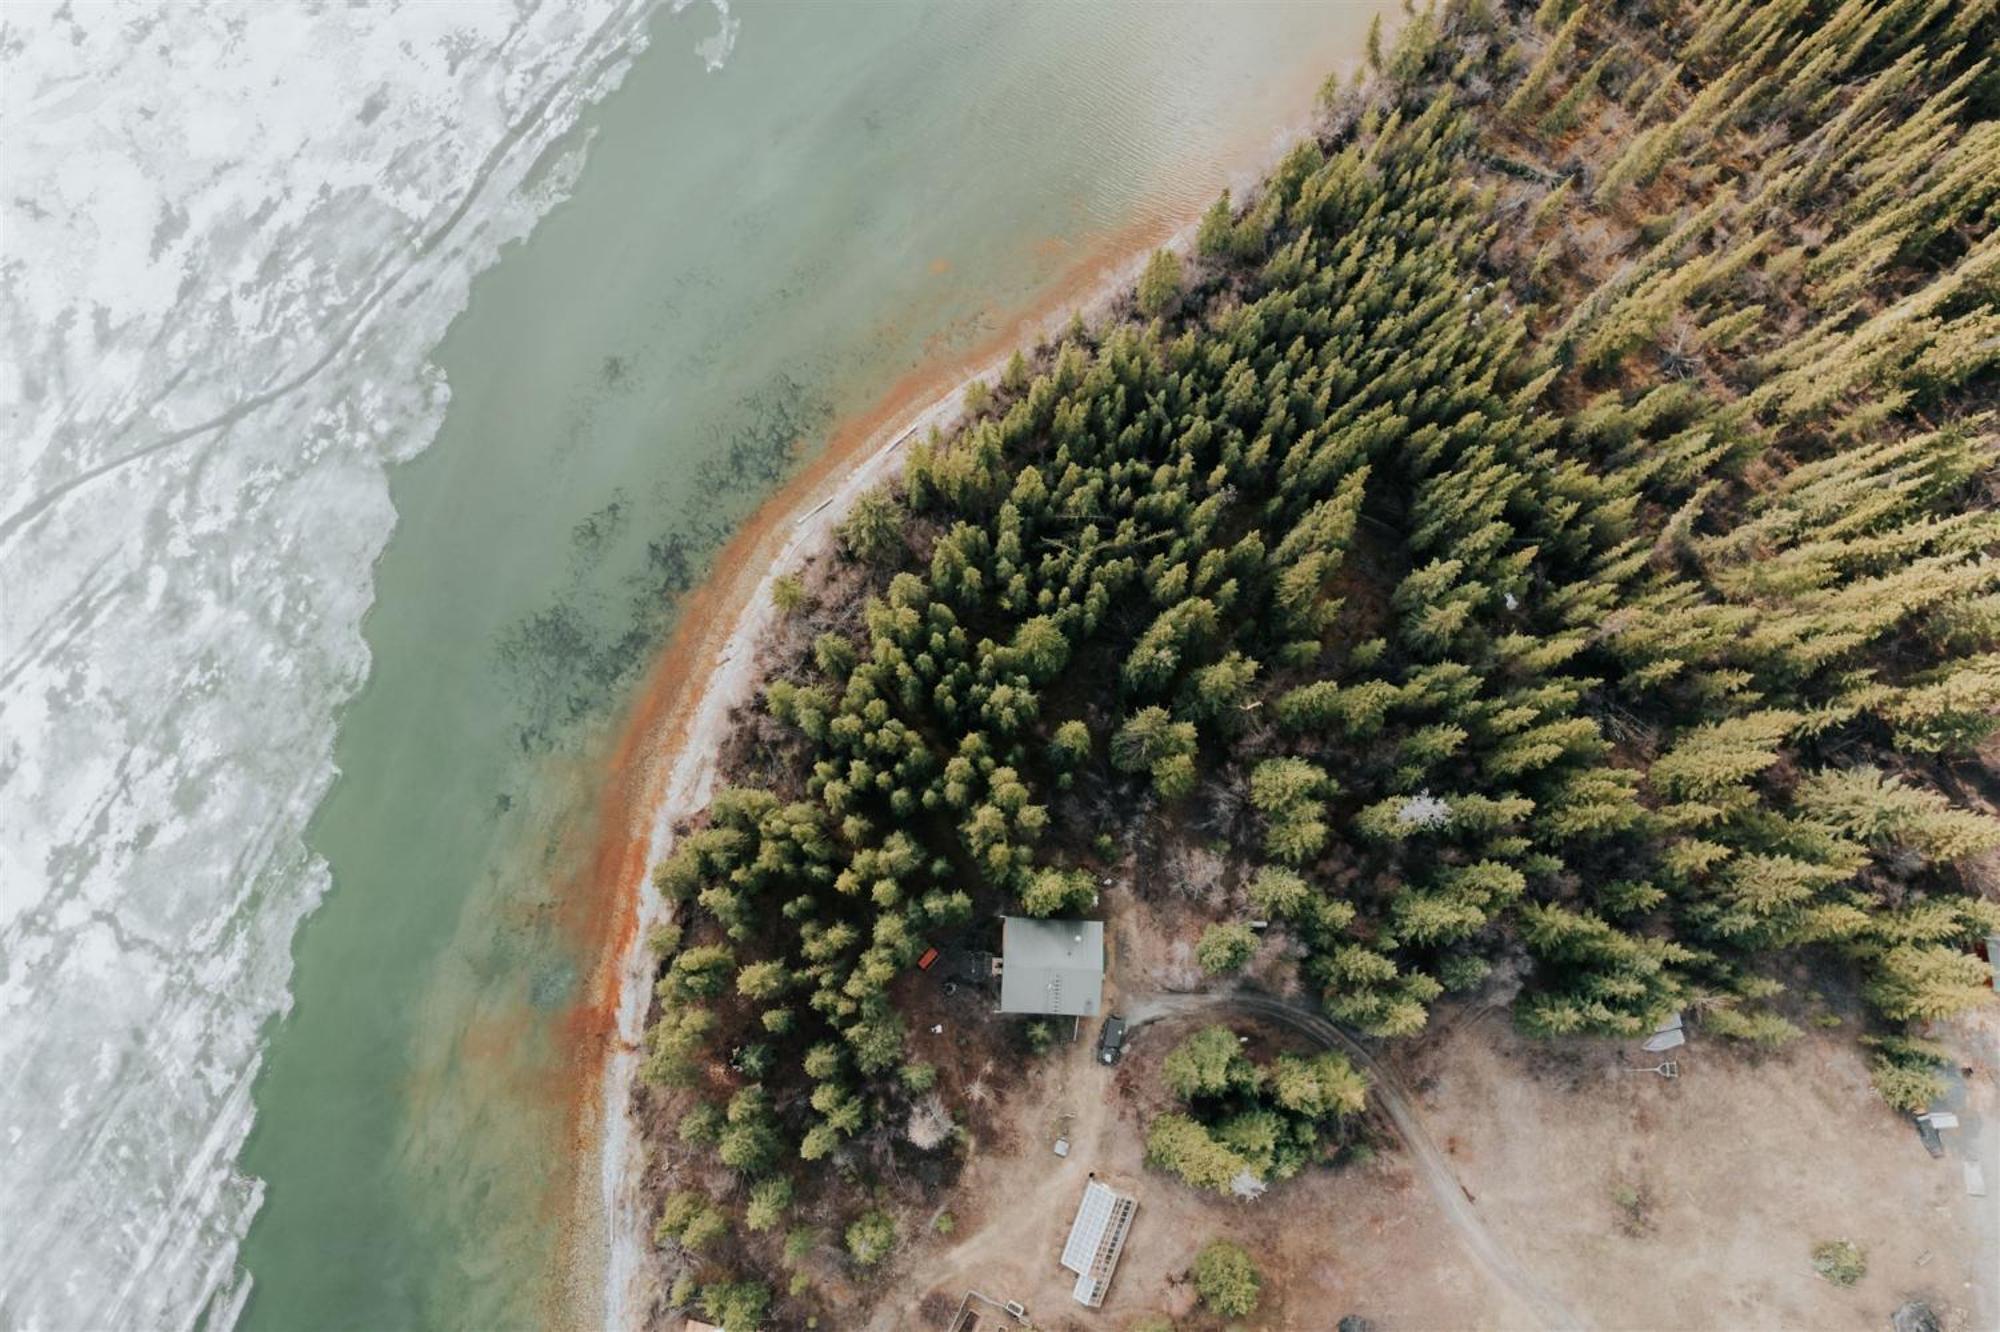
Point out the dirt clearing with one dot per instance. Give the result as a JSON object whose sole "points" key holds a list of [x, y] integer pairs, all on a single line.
{"points": [[1641, 1203]]}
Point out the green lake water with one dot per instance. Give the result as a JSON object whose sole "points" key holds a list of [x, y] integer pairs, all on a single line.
{"points": [[748, 256]]}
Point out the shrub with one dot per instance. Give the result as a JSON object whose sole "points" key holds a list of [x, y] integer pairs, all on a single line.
{"points": [[1905, 1071], [1208, 1063], [799, 1244], [1842, 1262], [1224, 949], [737, 1306], [701, 1124], [871, 1238], [1070, 745], [768, 1202], [691, 1220], [1182, 1145], [1226, 1279]]}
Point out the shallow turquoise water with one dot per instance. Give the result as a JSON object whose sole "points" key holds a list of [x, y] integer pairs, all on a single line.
{"points": [[748, 256]]}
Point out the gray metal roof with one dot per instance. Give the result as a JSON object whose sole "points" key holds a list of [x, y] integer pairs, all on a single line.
{"points": [[1051, 966]]}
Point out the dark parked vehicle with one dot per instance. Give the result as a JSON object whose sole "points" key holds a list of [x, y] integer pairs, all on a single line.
{"points": [[1111, 1041], [1927, 1132]]}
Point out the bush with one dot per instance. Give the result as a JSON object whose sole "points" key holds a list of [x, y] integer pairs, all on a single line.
{"points": [[1635, 1203], [1184, 1146], [768, 1202], [1224, 949], [799, 1244], [1059, 892], [1842, 1262], [701, 1124], [737, 1306], [871, 1238], [1070, 745], [1226, 1279], [691, 1220], [1905, 1071], [1208, 1063]]}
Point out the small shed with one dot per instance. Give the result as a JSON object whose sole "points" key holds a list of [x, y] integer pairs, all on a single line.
{"points": [[1096, 1239], [1051, 967]]}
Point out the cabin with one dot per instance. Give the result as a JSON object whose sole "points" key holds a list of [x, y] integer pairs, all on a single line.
{"points": [[1051, 968]]}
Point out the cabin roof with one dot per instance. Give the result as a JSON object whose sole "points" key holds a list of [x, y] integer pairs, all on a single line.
{"points": [[1053, 967]]}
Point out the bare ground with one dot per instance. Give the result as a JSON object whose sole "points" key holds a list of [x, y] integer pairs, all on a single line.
{"points": [[1640, 1203], [1695, 1203]]}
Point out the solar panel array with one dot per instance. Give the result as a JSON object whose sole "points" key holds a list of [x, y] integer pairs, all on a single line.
{"points": [[1095, 1241]]}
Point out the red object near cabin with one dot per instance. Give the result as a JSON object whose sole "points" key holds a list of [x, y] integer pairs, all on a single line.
{"points": [[929, 958]]}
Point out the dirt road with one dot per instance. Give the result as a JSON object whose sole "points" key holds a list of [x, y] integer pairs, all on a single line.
{"points": [[1436, 1172]]}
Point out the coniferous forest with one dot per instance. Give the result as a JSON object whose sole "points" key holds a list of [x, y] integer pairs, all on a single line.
{"points": [[1547, 532]]}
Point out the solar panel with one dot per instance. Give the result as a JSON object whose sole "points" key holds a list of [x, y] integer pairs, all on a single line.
{"points": [[1095, 1241], [1091, 1219]]}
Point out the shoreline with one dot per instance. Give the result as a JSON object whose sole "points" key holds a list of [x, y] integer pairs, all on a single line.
{"points": [[663, 769]]}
